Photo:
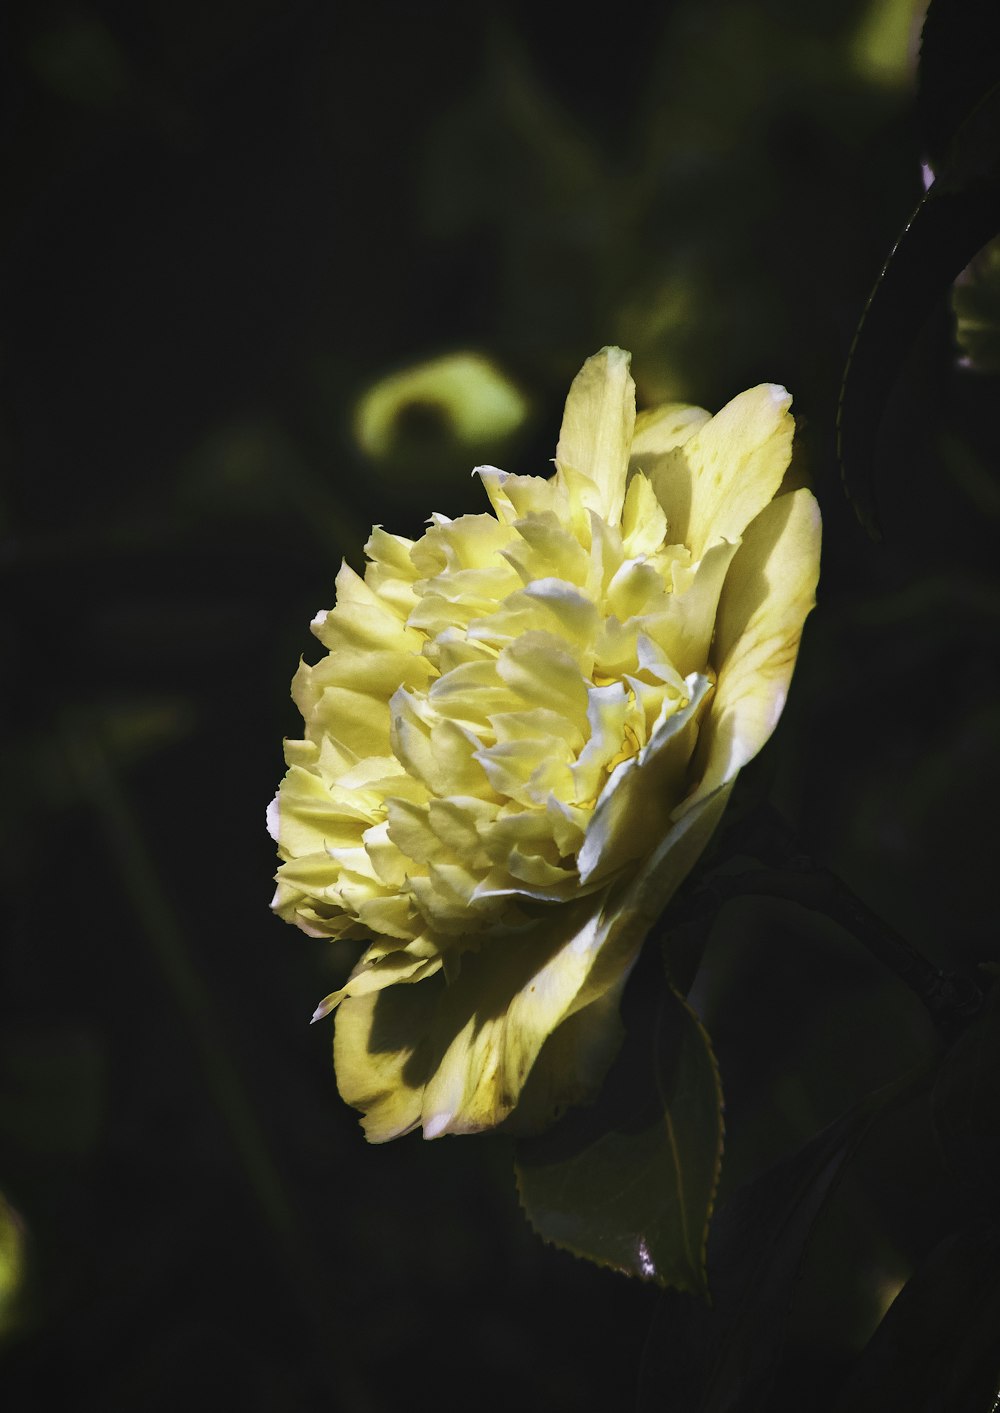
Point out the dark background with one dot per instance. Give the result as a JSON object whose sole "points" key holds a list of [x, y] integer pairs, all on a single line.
{"points": [[221, 223]]}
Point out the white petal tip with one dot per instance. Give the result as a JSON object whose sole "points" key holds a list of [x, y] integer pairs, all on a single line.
{"points": [[273, 819], [435, 1126]]}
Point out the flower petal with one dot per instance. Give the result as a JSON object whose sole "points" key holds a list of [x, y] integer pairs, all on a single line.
{"points": [[457, 1058], [663, 429], [375, 973], [634, 805], [685, 624], [736, 462], [768, 594], [383, 1055], [572, 1063], [495, 1020], [659, 433], [644, 524], [597, 427]]}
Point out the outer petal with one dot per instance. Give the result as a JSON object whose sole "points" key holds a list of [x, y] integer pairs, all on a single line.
{"points": [[736, 463], [769, 591], [572, 1063], [597, 427], [383, 1055], [458, 1057], [378, 972]]}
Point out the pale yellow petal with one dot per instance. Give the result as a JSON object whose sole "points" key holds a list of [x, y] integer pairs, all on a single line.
{"points": [[410, 735], [470, 542], [366, 626], [597, 427], [470, 694], [392, 551], [659, 434], [607, 710], [634, 587], [460, 822], [495, 1019], [634, 807], [354, 719], [573, 612], [684, 623], [387, 861], [410, 830], [644, 524], [372, 672], [391, 916], [304, 819], [659, 430], [451, 647], [455, 751], [457, 1057], [536, 724], [515, 496], [736, 462], [540, 670], [544, 547], [607, 554], [528, 771], [375, 973], [769, 591], [664, 870], [383, 1055]]}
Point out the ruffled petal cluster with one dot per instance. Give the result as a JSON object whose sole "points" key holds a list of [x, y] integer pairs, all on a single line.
{"points": [[524, 729]]}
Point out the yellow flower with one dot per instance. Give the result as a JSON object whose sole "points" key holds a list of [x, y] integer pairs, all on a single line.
{"points": [[523, 733]]}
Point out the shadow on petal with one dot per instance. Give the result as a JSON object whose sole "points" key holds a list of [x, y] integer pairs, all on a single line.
{"points": [[384, 1055], [754, 576]]}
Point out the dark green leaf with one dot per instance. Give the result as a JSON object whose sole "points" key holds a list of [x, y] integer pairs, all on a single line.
{"points": [[959, 62], [937, 1347], [629, 1182], [722, 1358], [945, 231], [955, 218]]}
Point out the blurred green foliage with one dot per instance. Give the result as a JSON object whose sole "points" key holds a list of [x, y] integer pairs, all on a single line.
{"points": [[425, 423], [977, 310], [223, 225], [13, 1245]]}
